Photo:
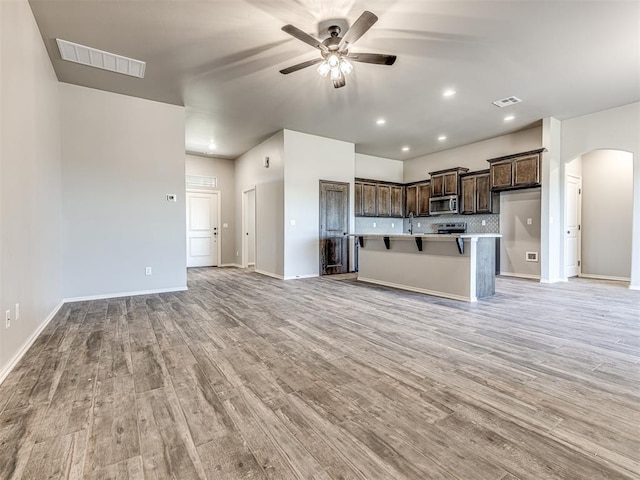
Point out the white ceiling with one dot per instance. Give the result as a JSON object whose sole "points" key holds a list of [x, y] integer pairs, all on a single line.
{"points": [[221, 60]]}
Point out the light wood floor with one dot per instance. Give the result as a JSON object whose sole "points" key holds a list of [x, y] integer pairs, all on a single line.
{"points": [[248, 377]]}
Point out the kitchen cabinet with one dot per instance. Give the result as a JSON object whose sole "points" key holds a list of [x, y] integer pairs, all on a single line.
{"points": [[369, 200], [445, 182], [521, 170], [378, 199], [383, 200], [411, 204], [397, 200], [417, 199], [424, 193], [475, 193]]}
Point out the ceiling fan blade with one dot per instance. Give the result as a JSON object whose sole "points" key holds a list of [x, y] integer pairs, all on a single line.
{"points": [[341, 81], [359, 28], [305, 37], [377, 58], [300, 66]]}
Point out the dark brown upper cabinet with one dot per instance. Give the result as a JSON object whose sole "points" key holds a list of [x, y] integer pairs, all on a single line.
{"points": [[475, 193], [424, 193], [445, 182], [378, 199], [397, 200], [369, 200], [384, 200], [411, 205], [521, 170]]}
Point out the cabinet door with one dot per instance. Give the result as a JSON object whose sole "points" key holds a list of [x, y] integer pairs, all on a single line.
{"points": [[526, 170], [396, 201], [437, 185], [501, 174], [357, 208], [468, 195], [483, 194], [412, 200], [451, 183], [424, 193], [384, 200], [369, 200]]}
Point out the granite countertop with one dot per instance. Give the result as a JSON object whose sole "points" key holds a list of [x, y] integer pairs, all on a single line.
{"points": [[427, 235]]}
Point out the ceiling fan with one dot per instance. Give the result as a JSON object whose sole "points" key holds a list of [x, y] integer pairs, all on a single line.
{"points": [[335, 57]]}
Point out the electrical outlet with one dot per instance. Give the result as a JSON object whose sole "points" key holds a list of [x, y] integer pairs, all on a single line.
{"points": [[484, 222], [7, 319], [393, 225], [374, 224], [17, 311], [147, 271], [418, 223]]}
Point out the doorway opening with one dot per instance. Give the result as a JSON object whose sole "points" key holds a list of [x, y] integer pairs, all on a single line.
{"points": [[599, 215], [249, 228], [203, 213]]}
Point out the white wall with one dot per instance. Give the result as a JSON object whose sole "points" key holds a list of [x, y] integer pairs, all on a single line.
{"points": [[473, 156], [224, 171], [121, 156], [30, 189], [518, 237], [607, 199], [378, 168], [614, 129], [269, 183], [309, 159]]}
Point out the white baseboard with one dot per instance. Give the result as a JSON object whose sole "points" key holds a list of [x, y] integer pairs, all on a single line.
{"points": [[634, 287], [298, 277], [418, 290], [520, 275], [236, 265], [605, 277], [269, 274], [124, 294], [25, 347]]}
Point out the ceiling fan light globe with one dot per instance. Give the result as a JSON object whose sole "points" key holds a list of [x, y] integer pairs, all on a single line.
{"points": [[333, 61], [324, 68], [335, 73], [346, 66]]}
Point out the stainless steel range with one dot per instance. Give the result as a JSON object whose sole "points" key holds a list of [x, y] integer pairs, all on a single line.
{"points": [[449, 228]]}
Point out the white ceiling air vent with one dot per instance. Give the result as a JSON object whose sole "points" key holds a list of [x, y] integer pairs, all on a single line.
{"points": [[505, 102], [92, 57], [201, 181]]}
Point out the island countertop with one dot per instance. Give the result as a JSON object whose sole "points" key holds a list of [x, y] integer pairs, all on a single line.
{"points": [[443, 236]]}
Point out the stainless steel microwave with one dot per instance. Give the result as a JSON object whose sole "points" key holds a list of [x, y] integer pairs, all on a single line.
{"points": [[443, 205]]}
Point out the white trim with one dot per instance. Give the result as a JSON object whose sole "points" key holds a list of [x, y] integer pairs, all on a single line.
{"points": [[605, 277], [125, 294], [237, 265], [299, 277], [634, 287], [269, 274], [243, 215], [25, 347], [218, 229], [528, 276], [418, 290]]}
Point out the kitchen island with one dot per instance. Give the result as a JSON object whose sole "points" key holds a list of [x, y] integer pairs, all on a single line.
{"points": [[460, 266]]}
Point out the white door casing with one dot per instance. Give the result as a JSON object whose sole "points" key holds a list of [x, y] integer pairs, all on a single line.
{"points": [[203, 212], [572, 229], [248, 227]]}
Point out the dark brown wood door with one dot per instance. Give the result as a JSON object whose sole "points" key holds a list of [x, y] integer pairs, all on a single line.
{"points": [[334, 225], [369, 202], [396, 201], [412, 200], [424, 193], [384, 201]]}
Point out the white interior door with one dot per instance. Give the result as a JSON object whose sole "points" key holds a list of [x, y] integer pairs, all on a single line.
{"points": [[202, 229], [572, 226], [249, 227]]}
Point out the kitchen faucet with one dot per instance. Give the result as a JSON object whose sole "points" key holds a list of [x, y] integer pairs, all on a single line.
{"points": [[411, 223]]}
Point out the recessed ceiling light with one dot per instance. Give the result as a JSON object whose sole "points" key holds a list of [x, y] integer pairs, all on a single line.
{"points": [[442, 138], [381, 121], [508, 118], [449, 92], [405, 149]]}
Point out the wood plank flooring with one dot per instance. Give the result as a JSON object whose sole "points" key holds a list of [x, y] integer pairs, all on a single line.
{"points": [[247, 377]]}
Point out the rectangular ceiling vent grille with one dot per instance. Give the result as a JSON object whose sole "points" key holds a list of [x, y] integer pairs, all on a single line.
{"points": [[92, 57], [505, 102], [201, 181]]}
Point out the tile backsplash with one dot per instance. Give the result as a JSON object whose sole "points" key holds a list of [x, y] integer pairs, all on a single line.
{"points": [[474, 223], [427, 224]]}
